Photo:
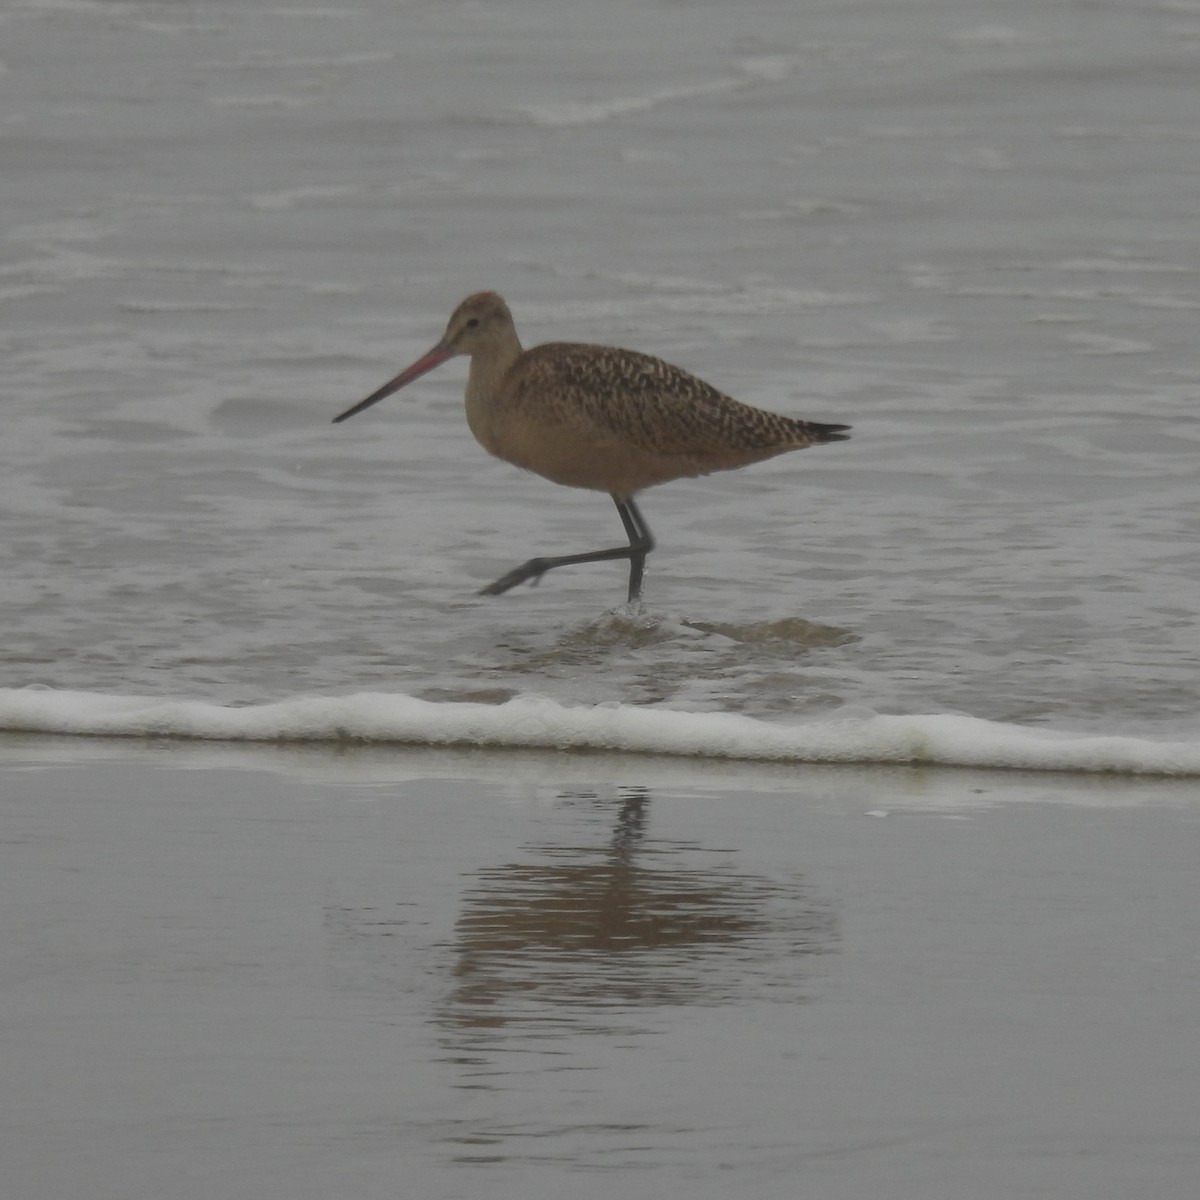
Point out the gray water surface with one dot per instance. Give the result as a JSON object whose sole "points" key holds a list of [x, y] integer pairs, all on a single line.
{"points": [[251, 972], [966, 229]]}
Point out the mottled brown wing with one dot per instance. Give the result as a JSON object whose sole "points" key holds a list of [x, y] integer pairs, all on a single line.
{"points": [[652, 405]]}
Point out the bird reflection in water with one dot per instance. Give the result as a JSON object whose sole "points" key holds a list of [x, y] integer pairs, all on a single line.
{"points": [[588, 936]]}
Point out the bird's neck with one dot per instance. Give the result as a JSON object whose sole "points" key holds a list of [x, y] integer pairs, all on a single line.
{"points": [[488, 368], [485, 390]]}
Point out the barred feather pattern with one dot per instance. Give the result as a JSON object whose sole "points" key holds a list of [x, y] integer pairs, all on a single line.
{"points": [[652, 405]]}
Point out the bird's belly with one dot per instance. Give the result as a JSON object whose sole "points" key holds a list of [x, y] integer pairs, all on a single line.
{"points": [[597, 464]]}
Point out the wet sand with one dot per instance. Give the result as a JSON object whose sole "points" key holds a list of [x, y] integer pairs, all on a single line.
{"points": [[235, 971]]}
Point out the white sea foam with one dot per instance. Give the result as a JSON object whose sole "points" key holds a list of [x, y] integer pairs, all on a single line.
{"points": [[534, 722]]}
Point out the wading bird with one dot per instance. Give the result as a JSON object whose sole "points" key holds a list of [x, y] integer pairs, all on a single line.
{"points": [[596, 417]]}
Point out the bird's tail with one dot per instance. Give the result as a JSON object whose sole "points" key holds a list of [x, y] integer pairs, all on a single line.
{"points": [[821, 433]]}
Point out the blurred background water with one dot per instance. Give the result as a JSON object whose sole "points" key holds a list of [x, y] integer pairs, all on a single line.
{"points": [[968, 229]]}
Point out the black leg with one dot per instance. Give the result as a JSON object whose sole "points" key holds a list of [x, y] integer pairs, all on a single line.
{"points": [[641, 542]]}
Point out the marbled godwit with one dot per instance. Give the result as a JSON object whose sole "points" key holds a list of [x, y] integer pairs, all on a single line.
{"points": [[596, 417]]}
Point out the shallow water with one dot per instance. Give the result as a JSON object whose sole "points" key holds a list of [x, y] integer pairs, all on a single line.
{"points": [[968, 233]]}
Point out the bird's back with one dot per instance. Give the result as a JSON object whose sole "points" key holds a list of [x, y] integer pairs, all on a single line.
{"points": [[648, 408]]}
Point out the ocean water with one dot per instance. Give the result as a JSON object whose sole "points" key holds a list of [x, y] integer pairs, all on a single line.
{"points": [[323, 876], [966, 229]]}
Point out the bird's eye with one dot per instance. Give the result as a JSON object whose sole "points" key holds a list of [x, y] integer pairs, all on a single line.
{"points": [[473, 323]]}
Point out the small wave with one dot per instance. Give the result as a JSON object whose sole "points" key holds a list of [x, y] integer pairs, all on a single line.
{"points": [[990, 36], [271, 60], [568, 113], [789, 631], [266, 100], [626, 630], [769, 68], [535, 722], [289, 198]]}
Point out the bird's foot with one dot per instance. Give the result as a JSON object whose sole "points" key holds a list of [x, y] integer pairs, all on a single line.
{"points": [[533, 570]]}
